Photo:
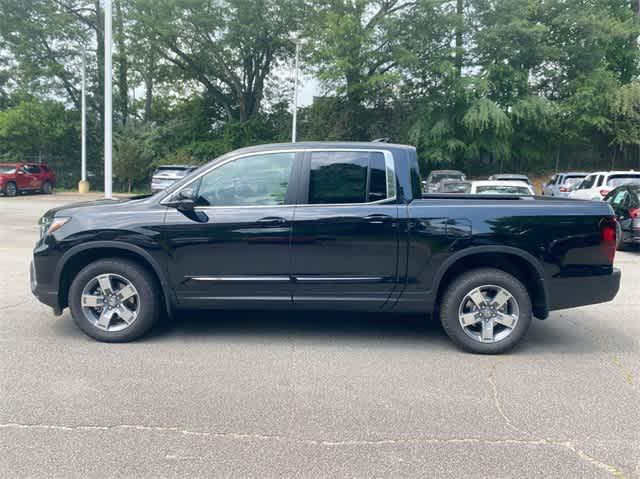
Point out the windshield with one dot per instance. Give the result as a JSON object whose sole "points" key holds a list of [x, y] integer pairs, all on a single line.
{"points": [[618, 180], [7, 169], [511, 178], [503, 190], [456, 187], [447, 176]]}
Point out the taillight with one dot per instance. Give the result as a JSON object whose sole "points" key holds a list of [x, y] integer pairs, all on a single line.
{"points": [[634, 213], [608, 237], [564, 189], [604, 193]]}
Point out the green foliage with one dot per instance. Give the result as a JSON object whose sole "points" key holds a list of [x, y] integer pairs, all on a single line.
{"points": [[133, 153], [481, 85], [37, 129]]}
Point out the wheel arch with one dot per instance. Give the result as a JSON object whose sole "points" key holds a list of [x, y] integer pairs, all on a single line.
{"points": [[81, 255], [517, 262]]}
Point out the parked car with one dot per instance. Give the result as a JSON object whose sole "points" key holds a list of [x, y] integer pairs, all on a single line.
{"points": [[432, 183], [561, 184], [598, 185], [501, 187], [334, 226], [166, 175], [454, 186], [625, 201], [510, 177], [22, 177]]}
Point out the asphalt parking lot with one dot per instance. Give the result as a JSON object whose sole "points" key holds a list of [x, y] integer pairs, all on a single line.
{"points": [[249, 394]]}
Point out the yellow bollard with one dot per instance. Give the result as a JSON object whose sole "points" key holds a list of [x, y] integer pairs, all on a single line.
{"points": [[83, 187]]}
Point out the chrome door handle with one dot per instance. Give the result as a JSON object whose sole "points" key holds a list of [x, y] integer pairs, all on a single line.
{"points": [[377, 219], [271, 221]]}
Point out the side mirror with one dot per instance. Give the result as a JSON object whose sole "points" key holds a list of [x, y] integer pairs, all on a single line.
{"points": [[184, 200]]}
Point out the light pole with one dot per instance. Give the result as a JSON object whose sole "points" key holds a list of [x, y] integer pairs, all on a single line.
{"points": [[294, 125], [83, 187], [108, 102]]}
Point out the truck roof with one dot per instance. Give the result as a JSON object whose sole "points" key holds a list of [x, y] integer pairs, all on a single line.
{"points": [[325, 144]]}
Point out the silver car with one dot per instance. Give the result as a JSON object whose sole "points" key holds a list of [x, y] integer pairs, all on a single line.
{"points": [[561, 184], [166, 175]]}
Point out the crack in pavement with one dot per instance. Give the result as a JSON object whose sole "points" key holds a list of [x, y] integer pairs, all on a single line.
{"points": [[614, 471], [275, 437], [569, 445]]}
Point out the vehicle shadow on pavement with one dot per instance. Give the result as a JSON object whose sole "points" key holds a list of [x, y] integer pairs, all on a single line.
{"points": [[554, 335], [557, 335], [303, 324]]}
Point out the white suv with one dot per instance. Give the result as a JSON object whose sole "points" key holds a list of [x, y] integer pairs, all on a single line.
{"points": [[597, 185]]}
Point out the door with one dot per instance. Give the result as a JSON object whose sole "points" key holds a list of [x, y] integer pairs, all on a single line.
{"points": [[345, 232], [549, 187], [24, 179], [234, 248], [584, 191], [621, 203], [34, 174]]}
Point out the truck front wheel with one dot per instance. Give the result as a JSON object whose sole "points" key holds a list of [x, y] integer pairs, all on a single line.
{"points": [[114, 300], [486, 311]]}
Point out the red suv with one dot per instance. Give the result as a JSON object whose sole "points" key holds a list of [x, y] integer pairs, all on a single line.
{"points": [[17, 177]]}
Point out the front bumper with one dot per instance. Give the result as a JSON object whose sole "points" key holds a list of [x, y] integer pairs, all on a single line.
{"points": [[45, 295], [571, 292]]}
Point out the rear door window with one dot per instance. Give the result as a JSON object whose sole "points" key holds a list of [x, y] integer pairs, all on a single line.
{"points": [[572, 180], [345, 177], [618, 180]]}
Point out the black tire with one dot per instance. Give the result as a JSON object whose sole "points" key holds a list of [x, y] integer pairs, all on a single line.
{"points": [[47, 188], [620, 244], [11, 189], [463, 285], [148, 302]]}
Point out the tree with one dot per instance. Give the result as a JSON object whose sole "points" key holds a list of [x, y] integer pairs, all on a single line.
{"points": [[133, 153], [229, 48]]}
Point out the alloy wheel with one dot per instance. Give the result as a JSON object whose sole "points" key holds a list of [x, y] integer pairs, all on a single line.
{"points": [[110, 302], [488, 313]]}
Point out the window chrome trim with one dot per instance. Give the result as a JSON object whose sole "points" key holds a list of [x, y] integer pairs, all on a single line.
{"points": [[390, 175]]}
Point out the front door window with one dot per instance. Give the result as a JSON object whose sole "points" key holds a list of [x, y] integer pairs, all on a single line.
{"points": [[259, 180]]}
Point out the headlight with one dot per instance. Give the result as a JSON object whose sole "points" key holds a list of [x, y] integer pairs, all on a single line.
{"points": [[50, 225]]}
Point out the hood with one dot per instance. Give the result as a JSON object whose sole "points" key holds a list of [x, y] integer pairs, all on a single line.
{"points": [[97, 205]]}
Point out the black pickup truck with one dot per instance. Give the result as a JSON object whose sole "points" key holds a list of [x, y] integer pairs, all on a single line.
{"points": [[332, 226]]}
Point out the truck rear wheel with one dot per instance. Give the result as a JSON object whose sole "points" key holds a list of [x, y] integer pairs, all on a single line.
{"points": [[486, 311], [114, 300]]}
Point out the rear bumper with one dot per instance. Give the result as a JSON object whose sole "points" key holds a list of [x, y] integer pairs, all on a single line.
{"points": [[574, 291]]}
